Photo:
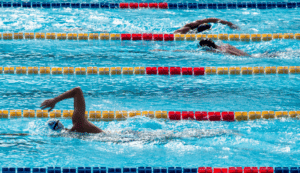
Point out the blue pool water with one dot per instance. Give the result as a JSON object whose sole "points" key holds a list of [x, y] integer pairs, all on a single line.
{"points": [[160, 143], [143, 141]]}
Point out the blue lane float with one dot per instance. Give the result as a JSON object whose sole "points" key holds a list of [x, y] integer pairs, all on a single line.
{"points": [[180, 6], [17, 4], [113, 170], [46, 5], [129, 170], [35, 4], [99, 169], [153, 170], [41, 170]]}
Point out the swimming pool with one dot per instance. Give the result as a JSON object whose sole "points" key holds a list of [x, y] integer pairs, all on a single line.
{"points": [[143, 141]]}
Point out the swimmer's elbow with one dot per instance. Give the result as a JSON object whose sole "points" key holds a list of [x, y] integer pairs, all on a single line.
{"points": [[212, 20], [77, 89]]}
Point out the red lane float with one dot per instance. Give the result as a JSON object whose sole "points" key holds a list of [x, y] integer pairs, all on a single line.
{"points": [[169, 37], [201, 115], [220, 170], [158, 37], [163, 70], [136, 36], [125, 36], [188, 115], [153, 5], [147, 37], [228, 116], [143, 5], [134, 5], [204, 170], [214, 116], [198, 70], [250, 170], [187, 71], [174, 115], [175, 71], [235, 169], [163, 5], [266, 170], [151, 70], [124, 5]]}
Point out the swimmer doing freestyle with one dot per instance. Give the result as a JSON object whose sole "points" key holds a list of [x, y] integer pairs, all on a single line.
{"points": [[199, 26], [202, 25], [80, 123], [210, 46]]}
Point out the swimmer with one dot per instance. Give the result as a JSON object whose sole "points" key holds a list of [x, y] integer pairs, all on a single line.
{"points": [[80, 123], [202, 25], [210, 46]]}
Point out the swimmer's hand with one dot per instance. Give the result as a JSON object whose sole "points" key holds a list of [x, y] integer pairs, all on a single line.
{"points": [[48, 104]]}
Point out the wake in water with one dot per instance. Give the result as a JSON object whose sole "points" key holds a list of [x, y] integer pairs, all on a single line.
{"points": [[277, 54], [157, 136], [114, 134]]}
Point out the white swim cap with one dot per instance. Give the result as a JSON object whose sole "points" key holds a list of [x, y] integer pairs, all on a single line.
{"points": [[55, 124]]}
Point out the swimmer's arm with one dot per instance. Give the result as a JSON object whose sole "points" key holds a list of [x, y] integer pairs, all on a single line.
{"points": [[80, 123], [190, 26], [78, 119], [246, 54], [51, 102], [79, 106], [233, 50], [216, 20], [79, 103], [161, 50]]}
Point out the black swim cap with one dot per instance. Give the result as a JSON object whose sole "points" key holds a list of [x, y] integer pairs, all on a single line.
{"points": [[203, 27], [208, 42]]}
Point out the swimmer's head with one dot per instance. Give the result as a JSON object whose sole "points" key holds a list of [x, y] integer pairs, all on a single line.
{"points": [[207, 43], [203, 27], [55, 124]]}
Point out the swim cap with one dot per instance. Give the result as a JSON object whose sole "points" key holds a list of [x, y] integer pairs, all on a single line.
{"points": [[207, 42], [203, 27], [55, 125]]}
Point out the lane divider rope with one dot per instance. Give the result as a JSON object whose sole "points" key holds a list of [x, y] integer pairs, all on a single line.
{"points": [[172, 115], [147, 36], [153, 5], [150, 70], [152, 170]]}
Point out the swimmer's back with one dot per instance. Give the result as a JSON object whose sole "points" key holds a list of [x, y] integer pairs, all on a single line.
{"points": [[226, 48]]}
